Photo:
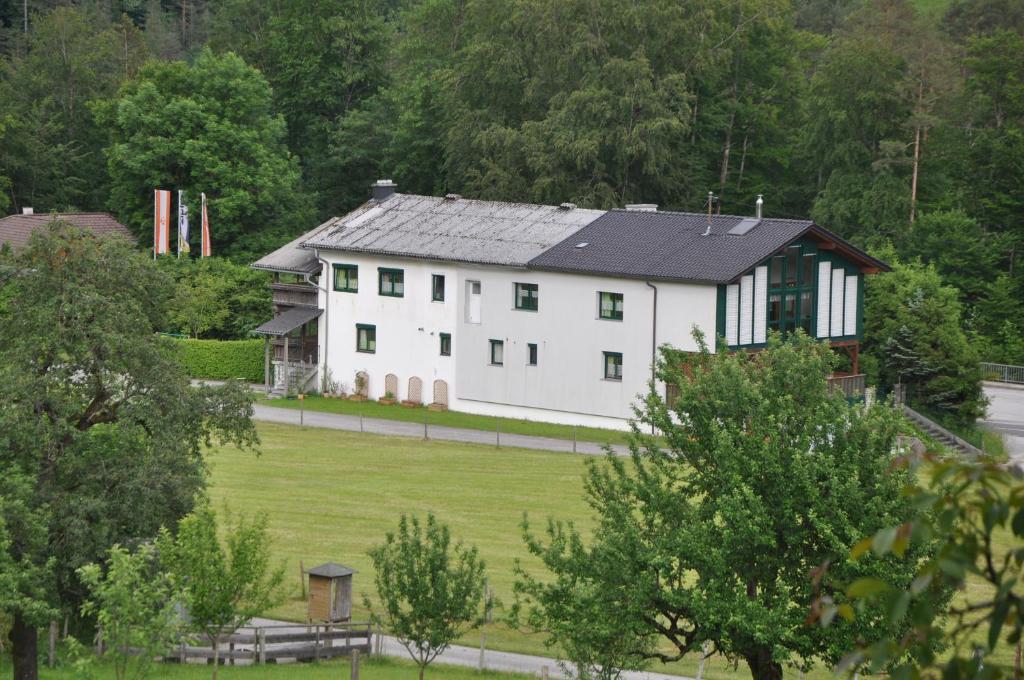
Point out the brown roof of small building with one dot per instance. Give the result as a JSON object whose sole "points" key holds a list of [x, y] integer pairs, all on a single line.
{"points": [[15, 230]]}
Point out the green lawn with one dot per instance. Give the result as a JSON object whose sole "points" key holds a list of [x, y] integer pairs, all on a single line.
{"points": [[373, 409], [374, 669], [331, 495]]}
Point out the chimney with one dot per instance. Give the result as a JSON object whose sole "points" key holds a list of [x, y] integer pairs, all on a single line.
{"points": [[759, 206], [381, 189], [642, 207], [27, 211]]}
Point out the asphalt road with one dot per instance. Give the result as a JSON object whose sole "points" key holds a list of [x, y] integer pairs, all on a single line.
{"points": [[1006, 415]]}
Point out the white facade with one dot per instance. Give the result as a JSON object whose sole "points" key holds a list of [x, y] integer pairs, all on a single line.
{"points": [[568, 382]]}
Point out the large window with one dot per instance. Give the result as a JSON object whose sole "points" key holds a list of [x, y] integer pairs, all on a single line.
{"points": [[391, 281], [791, 290], [346, 278], [497, 352], [437, 288], [613, 366], [366, 338], [446, 344], [531, 354], [526, 296], [610, 306]]}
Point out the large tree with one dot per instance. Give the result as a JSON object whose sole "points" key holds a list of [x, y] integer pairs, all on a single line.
{"points": [[709, 534], [206, 127], [101, 435]]}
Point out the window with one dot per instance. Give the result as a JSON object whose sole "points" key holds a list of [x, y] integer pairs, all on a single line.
{"points": [[791, 290], [472, 302], [531, 354], [346, 278], [392, 282], [437, 288], [613, 366], [526, 296], [806, 311], [497, 352], [366, 338], [446, 344], [610, 306], [774, 311]]}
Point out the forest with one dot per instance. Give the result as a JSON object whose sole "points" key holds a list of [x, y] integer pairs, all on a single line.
{"points": [[899, 124]]}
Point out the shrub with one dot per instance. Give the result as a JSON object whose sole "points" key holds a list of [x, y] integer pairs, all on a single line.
{"points": [[222, 359]]}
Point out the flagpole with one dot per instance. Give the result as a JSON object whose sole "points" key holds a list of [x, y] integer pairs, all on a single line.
{"points": [[179, 224]]}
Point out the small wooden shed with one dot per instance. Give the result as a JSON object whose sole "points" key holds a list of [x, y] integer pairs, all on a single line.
{"points": [[330, 592]]}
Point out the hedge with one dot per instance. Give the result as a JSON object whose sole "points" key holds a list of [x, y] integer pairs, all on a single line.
{"points": [[222, 359]]}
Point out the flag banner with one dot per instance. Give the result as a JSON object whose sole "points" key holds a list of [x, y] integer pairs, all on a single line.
{"points": [[182, 224], [207, 247], [161, 222]]}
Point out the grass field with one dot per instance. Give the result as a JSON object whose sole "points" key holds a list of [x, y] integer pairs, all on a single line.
{"points": [[331, 495], [374, 669], [373, 409]]}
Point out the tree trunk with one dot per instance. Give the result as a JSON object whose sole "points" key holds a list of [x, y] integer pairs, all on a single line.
{"points": [[422, 668], [216, 654], [762, 666], [24, 649], [913, 179]]}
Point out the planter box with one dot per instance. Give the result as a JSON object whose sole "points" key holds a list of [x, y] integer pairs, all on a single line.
{"points": [[387, 401], [411, 404]]}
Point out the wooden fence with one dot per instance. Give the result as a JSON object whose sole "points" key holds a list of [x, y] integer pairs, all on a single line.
{"points": [[263, 644]]}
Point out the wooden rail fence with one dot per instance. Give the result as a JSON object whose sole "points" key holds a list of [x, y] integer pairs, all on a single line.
{"points": [[263, 644]]}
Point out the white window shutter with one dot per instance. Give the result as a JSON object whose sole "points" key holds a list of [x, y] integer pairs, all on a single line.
{"points": [[760, 304], [746, 309], [732, 314], [850, 310], [838, 279], [824, 295]]}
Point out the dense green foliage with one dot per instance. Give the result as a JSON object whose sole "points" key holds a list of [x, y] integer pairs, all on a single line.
{"points": [[967, 506], [223, 585], [712, 535], [221, 359], [100, 436], [430, 591], [215, 298]]}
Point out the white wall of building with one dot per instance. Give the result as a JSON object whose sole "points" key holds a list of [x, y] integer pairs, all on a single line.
{"points": [[568, 384], [408, 328]]}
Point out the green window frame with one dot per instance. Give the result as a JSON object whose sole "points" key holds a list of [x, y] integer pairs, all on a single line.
{"points": [[437, 288], [446, 344], [609, 305], [792, 289], [497, 352], [366, 338], [613, 365], [391, 282], [531, 354], [527, 296], [346, 278]]}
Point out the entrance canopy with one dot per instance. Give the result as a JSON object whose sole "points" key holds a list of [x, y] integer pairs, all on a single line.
{"points": [[289, 320]]}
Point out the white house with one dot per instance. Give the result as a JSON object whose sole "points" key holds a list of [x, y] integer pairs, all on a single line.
{"points": [[551, 313]]}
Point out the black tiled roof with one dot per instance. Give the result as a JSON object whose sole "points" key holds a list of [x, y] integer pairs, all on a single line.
{"points": [[671, 246]]}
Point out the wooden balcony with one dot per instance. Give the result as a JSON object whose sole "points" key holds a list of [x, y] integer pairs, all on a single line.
{"points": [[294, 294], [852, 386]]}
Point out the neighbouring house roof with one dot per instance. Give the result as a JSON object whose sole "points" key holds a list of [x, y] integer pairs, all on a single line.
{"points": [[671, 246], [291, 257], [331, 570], [452, 228], [288, 320], [15, 230]]}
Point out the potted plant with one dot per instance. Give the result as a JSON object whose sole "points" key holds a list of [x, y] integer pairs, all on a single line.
{"points": [[388, 398], [358, 394]]}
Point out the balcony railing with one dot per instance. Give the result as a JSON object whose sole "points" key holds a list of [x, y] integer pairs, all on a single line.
{"points": [[852, 386]]}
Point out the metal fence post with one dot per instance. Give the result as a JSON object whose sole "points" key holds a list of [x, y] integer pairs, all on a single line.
{"points": [[574, 439], [426, 416], [497, 433]]}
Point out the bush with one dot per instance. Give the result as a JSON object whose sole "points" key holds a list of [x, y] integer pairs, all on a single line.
{"points": [[222, 359]]}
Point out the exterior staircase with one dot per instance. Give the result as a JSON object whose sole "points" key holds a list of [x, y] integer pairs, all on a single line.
{"points": [[300, 376], [941, 434]]}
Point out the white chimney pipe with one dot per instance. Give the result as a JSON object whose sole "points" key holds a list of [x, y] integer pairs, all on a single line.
{"points": [[759, 206]]}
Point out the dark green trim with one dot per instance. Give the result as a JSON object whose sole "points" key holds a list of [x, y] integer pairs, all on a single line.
{"points": [[605, 356], [532, 353], [348, 288], [381, 271], [366, 327], [446, 338], [720, 314], [433, 287], [612, 315], [531, 302], [493, 344]]}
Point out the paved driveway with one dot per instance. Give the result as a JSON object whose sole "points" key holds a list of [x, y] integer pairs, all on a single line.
{"points": [[1006, 414]]}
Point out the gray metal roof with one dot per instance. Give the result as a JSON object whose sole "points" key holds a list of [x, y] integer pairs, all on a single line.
{"points": [[671, 246], [291, 257], [288, 320], [457, 229], [331, 570]]}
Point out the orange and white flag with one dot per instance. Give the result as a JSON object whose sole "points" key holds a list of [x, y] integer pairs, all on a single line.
{"points": [[206, 249], [161, 222]]}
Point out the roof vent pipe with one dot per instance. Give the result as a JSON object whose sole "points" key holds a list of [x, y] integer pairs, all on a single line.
{"points": [[381, 189], [27, 211], [711, 200], [759, 206]]}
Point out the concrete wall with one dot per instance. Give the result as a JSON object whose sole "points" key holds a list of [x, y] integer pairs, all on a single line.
{"points": [[568, 384], [408, 328]]}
